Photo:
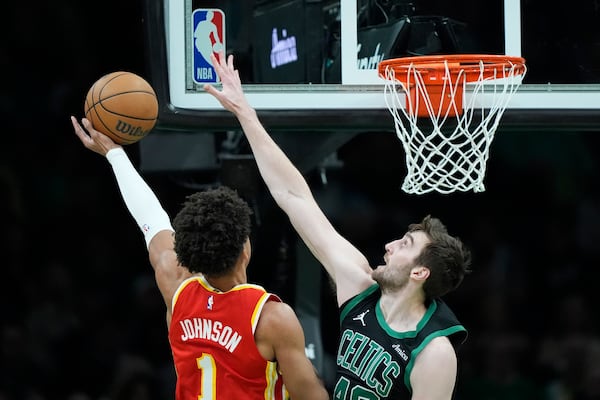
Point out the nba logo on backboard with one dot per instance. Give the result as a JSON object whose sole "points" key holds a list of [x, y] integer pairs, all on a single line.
{"points": [[208, 38]]}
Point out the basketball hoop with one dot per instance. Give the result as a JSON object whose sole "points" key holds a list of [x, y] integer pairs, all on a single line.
{"points": [[453, 155]]}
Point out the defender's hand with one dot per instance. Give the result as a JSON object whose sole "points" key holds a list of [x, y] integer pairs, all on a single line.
{"points": [[231, 96]]}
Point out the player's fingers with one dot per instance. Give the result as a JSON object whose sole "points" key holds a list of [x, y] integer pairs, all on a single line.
{"points": [[219, 56], [75, 124], [92, 133], [87, 124], [219, 66], [222, 59], [211, 90], [83, 136], [215, 61]]}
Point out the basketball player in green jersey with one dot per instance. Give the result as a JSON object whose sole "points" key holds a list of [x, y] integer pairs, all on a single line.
{"points": [[398, 338]]}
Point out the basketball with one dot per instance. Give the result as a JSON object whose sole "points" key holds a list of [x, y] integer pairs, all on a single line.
{"points": [[123, 106]]}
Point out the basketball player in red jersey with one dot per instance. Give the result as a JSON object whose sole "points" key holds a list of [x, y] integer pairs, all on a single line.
{"points": [[229, 339]]}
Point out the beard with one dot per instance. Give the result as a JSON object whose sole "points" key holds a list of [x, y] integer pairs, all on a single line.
{"points": [[391, 278]]}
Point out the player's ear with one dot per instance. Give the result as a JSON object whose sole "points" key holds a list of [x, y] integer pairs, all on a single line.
{"points": [[420, 272], [246, 251]]}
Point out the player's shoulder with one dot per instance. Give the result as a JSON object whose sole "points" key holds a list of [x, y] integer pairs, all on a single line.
{"points": [[277, 310], [278, 317], [439, 348], [438, 360], [277, 328], [277, 323]]}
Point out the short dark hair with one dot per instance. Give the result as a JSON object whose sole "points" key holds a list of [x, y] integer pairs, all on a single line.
{"points": [[210, 231], [446, 256]]}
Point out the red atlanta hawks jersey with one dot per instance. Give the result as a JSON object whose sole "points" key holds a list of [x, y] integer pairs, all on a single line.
{"points": [[212, 340]]}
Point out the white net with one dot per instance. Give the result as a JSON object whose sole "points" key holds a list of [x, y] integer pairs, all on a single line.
{"points": [[452, 152]]}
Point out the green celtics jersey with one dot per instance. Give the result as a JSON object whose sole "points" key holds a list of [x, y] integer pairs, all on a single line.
{"points": [[374, 362]]}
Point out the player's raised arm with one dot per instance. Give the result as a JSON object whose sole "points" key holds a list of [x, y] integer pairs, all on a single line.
{"points": [[142, 204], [345, 264]]}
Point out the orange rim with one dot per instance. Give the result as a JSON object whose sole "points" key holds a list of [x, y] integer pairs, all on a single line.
{"points": [[472, 66]]}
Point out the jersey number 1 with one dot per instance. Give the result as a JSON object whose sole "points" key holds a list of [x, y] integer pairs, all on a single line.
{"points": [[206, 364]]}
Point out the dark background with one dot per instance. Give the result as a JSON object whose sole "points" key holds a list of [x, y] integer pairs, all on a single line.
{"points": [[83, 318]]}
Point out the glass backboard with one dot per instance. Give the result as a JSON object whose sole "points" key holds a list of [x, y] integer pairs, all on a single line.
{"points": [[319, 58], [350, 36]]}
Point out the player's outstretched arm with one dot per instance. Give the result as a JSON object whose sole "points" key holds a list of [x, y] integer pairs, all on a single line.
{"points": [[142, 204], [280, 334], [347, 266]]}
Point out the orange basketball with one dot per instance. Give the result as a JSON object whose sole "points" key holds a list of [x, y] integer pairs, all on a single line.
{"points": [[123, 106]]}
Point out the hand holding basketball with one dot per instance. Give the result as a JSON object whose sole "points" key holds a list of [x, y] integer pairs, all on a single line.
{"points": [[91, 138], [123, 106]]}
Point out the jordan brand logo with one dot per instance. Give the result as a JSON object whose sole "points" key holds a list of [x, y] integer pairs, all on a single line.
{"points": [[361, 317]]}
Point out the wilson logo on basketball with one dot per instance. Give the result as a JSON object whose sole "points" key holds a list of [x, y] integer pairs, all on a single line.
{"points": [[129, 129]]}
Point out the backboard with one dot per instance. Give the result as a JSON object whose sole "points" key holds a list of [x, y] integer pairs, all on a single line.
{"points": [[326, 76]]}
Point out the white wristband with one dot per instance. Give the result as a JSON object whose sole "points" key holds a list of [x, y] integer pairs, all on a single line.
{"points": [[140, 200]]}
